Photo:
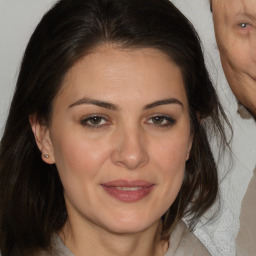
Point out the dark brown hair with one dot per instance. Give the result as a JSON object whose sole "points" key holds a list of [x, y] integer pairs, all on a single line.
{"points": [[32, 205]]}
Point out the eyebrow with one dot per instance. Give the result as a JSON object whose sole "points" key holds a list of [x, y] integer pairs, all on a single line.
{"points": [[114, 107], [163, 102], [98, 103], [245, 15]]}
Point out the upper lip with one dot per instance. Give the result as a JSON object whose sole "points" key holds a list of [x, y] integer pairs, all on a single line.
{"points": [[127, 183]]}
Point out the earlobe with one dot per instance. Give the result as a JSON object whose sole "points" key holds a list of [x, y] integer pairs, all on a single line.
{"points": [[42, 138]]}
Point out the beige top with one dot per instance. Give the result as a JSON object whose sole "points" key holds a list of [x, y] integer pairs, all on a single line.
{"points": [[185, 243], [182, 243], [246, 238]]}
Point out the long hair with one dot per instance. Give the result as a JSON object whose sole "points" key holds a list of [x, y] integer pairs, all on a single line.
{"points": [[32, 204]]}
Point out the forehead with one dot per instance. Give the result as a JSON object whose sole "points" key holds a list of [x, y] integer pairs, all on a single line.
{"points": [[229, 9], [113, 63], [115, 74]]}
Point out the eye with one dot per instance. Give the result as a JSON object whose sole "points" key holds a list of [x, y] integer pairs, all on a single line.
{"points": [[243, 25], [161, 121], [94, 121]]}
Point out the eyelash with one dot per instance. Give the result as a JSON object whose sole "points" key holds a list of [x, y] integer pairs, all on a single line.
{"points": [[85, 122], [168, 121]]}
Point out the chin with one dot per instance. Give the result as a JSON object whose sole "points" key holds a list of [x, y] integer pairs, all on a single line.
{"points": [[130, 226]]}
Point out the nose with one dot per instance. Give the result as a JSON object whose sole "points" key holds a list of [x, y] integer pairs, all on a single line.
{"points": [[130, 151]]}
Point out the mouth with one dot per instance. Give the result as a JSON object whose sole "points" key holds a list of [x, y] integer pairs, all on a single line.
{"points": [[129, 188], [128, 191]]}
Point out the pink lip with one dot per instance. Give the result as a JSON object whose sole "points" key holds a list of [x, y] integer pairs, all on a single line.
{"points": [[128, 191]]}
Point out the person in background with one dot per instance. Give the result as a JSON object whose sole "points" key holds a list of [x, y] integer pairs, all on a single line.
{"points": [[235, 30]]}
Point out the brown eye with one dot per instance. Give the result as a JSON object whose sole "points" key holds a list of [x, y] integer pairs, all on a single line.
{"points": [[94, 121], [161, 121], [158, 119]]}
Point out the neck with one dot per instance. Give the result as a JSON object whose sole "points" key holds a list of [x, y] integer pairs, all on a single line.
{"points": [[93, 240]]}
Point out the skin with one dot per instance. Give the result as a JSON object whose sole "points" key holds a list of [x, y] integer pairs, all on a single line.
{"points": [[235, 29], [127, 143]]}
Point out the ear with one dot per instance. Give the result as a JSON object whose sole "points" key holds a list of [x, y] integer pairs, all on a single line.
{"points": [[190, 143], [43, 140]]}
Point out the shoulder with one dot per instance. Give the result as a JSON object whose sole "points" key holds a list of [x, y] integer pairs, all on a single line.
{"points": [[245, 240], [58, 248], [184, 242]]}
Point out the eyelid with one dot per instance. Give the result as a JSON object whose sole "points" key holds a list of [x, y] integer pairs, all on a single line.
{"points": [[244, 28], [171, 121], [243, 25]]}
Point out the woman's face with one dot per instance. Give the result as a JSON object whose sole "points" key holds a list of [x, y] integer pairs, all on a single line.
{"points": [[120, 137]]}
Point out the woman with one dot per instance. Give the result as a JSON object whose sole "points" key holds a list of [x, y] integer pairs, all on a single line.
{"points": [[105, 147]]}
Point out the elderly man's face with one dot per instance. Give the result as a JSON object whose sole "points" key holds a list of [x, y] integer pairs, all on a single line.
{"points": [[235, 29]]}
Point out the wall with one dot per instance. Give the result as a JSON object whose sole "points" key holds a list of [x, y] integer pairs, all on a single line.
{"points": [[18, 19]]}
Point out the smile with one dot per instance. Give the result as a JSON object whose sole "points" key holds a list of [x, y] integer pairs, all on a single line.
{"points": [[128, 191]]}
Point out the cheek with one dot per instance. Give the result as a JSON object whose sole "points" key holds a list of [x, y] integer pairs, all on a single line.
{"points": [[173, 149], [79, 157], [240, 58], [239, 52], [171, 160], [170, 157], [79, 163]]}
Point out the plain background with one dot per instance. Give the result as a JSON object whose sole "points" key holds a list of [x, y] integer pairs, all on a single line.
{"points": [[18, 19]]}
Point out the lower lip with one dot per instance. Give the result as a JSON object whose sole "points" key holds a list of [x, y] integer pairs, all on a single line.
{"points": [[128, 196]]}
